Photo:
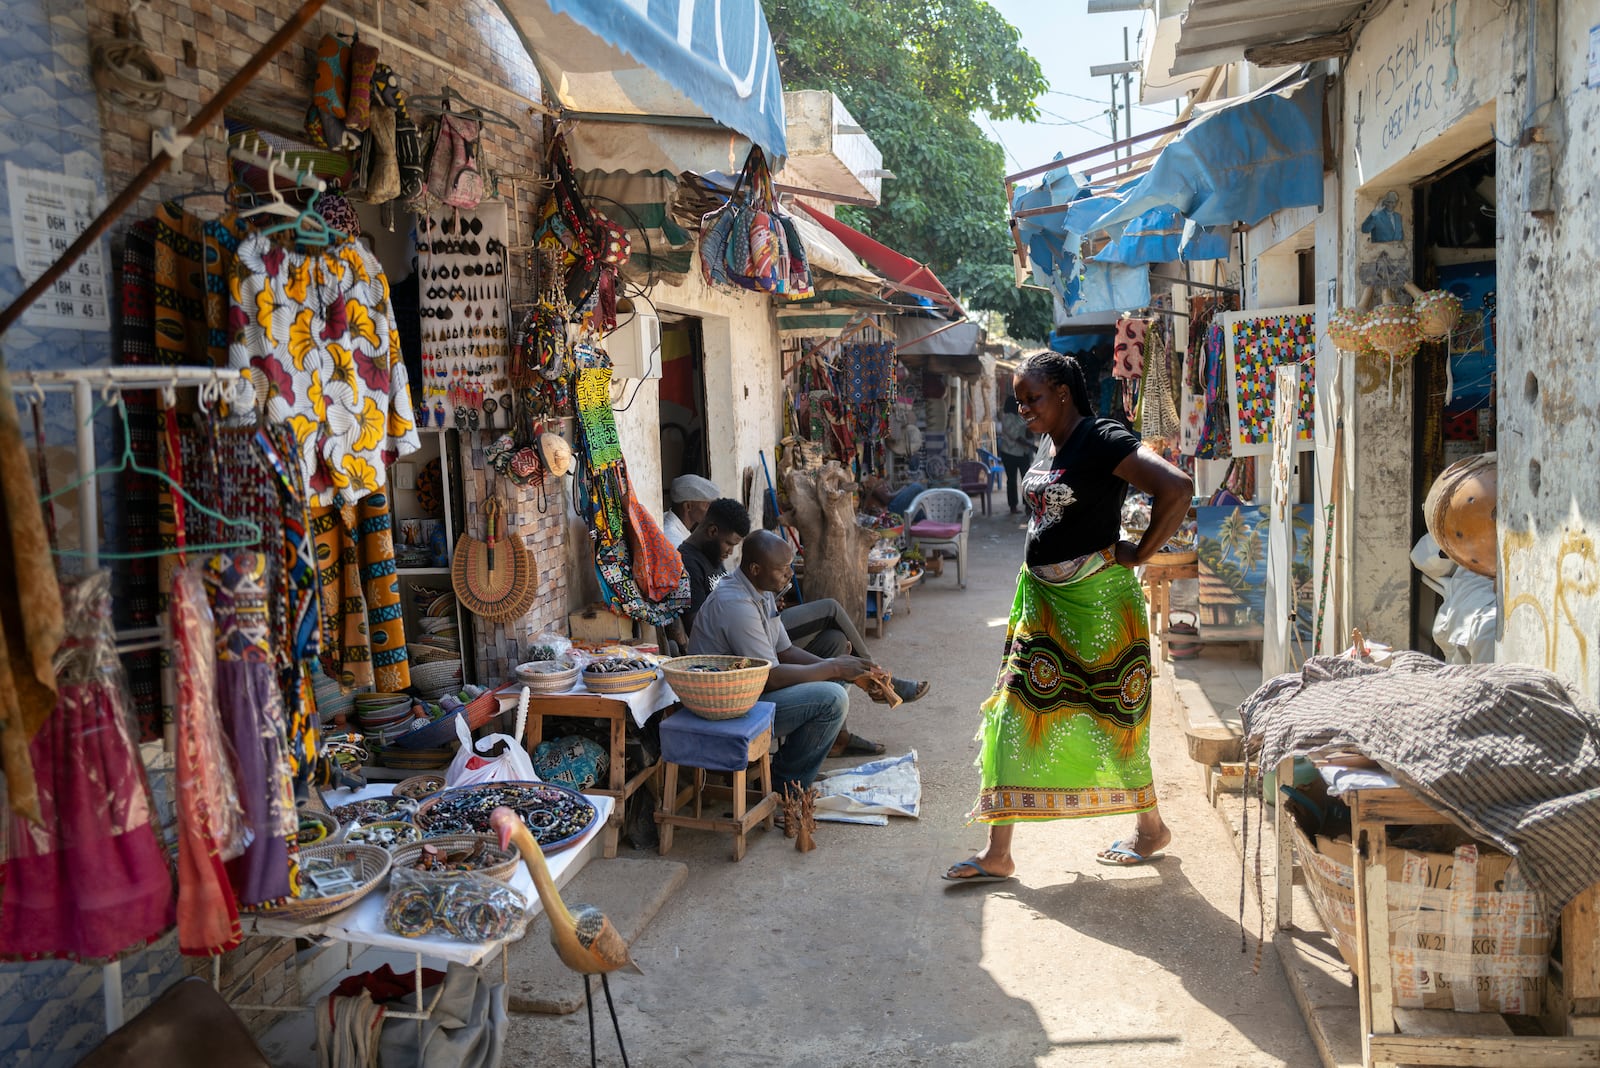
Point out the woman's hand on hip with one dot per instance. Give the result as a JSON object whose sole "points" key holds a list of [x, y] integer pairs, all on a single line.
{"points": [[1127, 554]]}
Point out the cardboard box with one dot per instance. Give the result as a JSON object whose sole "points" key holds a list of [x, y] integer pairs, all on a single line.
{"points": [[598, 623], [1482, 947]]}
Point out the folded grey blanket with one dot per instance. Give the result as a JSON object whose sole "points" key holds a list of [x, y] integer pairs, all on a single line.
{"points": [[1510, 751]]}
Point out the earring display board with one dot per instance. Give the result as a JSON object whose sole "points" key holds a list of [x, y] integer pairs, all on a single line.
{"points": [[461, 268], [1257, 342]]}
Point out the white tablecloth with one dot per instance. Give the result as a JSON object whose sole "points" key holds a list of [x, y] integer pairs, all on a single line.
{"points": [[362, 923], [641, 703]]}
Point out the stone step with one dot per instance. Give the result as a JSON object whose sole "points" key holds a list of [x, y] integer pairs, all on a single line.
{"points": [[629, 891]]}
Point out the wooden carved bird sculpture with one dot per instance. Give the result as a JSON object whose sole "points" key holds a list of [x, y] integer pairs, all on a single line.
{"points": [[583, 938]]}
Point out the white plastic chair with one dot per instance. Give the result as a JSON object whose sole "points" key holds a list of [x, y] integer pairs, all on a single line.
{"points": [[949, 508]]}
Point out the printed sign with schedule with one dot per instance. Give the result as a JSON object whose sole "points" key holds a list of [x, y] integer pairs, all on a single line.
{"points": [[48, 212]]}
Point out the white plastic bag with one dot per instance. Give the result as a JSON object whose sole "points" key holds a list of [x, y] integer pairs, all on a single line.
{"points": [[471, 764]]}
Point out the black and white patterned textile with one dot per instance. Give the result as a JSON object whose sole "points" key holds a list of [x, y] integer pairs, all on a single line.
{"points": [[1510, 751]]}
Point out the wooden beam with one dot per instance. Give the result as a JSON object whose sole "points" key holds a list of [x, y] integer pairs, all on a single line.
{"points": [[1285, 55], [1012, 179], [1485, 1051]]}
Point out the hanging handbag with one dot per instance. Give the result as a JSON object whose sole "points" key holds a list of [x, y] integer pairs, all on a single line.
{"points": [[381, 174], [453, 176], [330, 94], [363, 66]]}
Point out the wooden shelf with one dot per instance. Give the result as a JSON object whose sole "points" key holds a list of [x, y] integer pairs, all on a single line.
{"points": [[422, 571]]}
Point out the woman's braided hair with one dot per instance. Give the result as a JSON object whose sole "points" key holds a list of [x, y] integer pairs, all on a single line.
{"points": [[1060, 369]]}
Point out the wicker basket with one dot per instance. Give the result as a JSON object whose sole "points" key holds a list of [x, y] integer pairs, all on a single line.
{"points": [[371, 864], [419, 786], [503, 868], [548, 676], [725, 693], [484, 707], [603, 682], [330, 827]]}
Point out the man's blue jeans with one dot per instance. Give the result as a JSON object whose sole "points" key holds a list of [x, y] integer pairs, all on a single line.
{"points": [[807, 721]]}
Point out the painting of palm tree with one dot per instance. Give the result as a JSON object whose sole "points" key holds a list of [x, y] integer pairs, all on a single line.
{"points": [[1232, 547]]}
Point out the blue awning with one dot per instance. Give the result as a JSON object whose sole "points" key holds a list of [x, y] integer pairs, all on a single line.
{"points": [[1237, 164], [674, 61]]}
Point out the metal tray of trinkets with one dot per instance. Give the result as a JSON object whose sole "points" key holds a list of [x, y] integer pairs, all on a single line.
{"points": [[557, 815]]}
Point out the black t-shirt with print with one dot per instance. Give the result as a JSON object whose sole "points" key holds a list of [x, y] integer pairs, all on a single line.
{"points": [[704, 574], [1074, 498]]}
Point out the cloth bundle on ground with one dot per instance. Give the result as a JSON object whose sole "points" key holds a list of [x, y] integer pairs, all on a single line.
{"points": [[1508, 750]]}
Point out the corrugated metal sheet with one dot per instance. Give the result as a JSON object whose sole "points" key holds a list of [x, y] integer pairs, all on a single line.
{"points": [[1219, 31]]}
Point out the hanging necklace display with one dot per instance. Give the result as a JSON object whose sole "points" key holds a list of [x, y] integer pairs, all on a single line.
{"points": [[465, 317]]}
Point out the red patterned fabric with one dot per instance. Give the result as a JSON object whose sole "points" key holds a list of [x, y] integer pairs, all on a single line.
{"points": [[657, 567], [1129, 362]]}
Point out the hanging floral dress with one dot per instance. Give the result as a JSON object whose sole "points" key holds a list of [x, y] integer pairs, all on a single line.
{"points": [[319, 327]]}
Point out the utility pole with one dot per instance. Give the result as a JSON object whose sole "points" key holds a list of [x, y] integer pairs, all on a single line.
{"points": [[1127, 87]]}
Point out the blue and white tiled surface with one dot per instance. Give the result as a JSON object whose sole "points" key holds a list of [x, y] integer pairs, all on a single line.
{"points": [[51, 1013]]}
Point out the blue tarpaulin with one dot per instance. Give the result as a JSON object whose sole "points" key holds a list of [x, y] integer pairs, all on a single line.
{"points": [[666, 59], [1055, 253], [1239, 163]]}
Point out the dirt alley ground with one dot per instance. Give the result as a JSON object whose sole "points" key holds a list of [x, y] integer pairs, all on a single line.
{"points": [[859, 954]]}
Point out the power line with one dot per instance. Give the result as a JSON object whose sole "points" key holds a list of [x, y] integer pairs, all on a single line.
{"points": [[1002, 142], [1092, 100]]}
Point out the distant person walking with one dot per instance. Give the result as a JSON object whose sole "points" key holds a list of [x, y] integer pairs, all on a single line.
{"points": [[1065, 733], [1016, 449]]}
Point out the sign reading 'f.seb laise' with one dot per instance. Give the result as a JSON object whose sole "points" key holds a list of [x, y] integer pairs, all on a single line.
{"points": [[666, 60]]}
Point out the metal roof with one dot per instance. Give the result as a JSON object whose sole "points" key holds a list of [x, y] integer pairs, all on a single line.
{"points": [[1222, 31]]}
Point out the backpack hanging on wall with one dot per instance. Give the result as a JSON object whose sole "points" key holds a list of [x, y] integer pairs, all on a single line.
{"points": [[452, 170]]}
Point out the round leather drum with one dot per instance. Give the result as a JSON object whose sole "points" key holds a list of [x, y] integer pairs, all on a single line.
{"points": [[1460, 512]]}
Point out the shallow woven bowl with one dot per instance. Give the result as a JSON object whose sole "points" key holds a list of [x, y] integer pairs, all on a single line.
{"points": [[325, 819], [548, 676], [371, 865], [504, 868], [405, 833], [419, 786], [616, 682], [726, 693]]}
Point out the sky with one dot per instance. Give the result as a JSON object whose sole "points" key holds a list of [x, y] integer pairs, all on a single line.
{"points": [[1067, 41]]}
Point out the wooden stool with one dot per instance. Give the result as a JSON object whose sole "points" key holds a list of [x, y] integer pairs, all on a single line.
{"points": [[726, 745]]}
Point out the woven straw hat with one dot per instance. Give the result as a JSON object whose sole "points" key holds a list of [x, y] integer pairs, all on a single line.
{"points": [[494, 577], [555, 453]]}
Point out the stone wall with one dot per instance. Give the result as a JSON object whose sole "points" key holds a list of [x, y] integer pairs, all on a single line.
{"points": [[1548, 395]]}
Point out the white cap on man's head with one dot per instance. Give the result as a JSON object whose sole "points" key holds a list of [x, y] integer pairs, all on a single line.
{"points": [[687, 488]]}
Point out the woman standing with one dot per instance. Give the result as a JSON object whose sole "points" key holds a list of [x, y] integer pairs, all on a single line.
{"points": [[1016, 449], [1066, 732]]}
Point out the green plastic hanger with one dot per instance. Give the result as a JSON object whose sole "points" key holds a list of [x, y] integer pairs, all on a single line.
{"points": [[309, 227], [249, 530]]}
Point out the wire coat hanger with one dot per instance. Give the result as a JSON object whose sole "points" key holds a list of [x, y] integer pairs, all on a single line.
{"points": [[440, 105], [249, 530]]}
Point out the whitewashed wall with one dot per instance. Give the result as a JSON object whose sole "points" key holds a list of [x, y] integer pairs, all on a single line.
{"points": [[1418, 92], [1548, 388]]}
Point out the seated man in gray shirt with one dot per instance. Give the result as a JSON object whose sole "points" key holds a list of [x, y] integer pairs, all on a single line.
{"points": [[740, 618]]}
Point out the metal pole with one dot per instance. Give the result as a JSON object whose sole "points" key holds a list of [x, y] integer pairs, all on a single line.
{"points": [[1127, 87], [89, 491]]}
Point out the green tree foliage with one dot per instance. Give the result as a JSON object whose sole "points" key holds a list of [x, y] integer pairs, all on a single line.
{"points": [[914, 73]]}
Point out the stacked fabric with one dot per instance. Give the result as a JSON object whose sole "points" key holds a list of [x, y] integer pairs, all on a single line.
{"points": [[436, 654]]}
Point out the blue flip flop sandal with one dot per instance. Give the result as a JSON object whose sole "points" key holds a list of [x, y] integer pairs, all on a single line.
{"points": [[981, 877], [1118, 850]]}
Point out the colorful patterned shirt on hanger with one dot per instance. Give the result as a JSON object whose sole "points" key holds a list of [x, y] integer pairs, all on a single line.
{"points": [[319, 327]]}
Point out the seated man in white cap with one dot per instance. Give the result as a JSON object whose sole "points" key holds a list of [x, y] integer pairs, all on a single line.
{"points": [[691, 496]]}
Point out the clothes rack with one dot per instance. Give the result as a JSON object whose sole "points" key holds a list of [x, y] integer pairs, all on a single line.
{"points": [[85, 384]]}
